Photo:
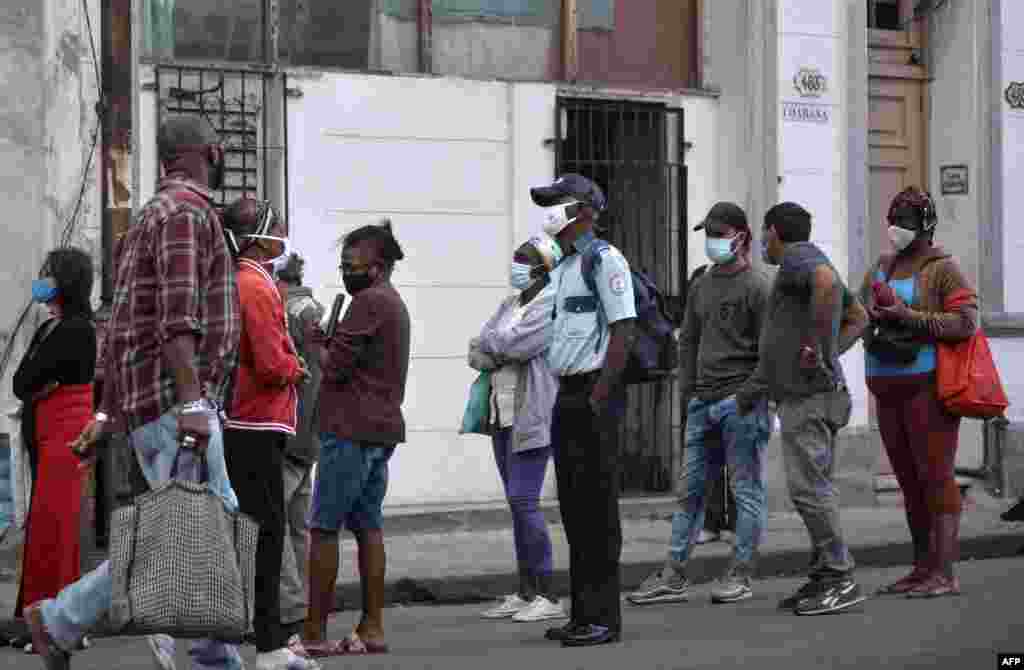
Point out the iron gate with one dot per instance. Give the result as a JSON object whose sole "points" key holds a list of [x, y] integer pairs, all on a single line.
{"points": [[635, 151], [234, 101]]}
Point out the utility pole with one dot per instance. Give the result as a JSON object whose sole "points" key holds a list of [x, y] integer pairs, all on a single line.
{"points": [[570, 53]]}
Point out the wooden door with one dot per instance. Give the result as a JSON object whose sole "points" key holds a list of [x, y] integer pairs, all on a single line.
{"points": [[898, 100]]}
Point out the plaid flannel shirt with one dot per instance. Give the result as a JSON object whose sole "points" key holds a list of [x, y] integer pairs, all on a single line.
{"points": [[174, 276]]}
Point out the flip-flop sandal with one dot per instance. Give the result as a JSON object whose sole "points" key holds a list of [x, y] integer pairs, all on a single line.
{"points": [[329, 648], [371, 646]]}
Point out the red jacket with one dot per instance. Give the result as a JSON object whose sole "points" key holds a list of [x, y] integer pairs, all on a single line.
{"points": [[264, 394]]}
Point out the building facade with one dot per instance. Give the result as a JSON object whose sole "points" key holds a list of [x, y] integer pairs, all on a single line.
{"points": [[441, 114]]}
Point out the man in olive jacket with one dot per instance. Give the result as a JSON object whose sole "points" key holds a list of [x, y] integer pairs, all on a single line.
{"points": [[303, 450]]}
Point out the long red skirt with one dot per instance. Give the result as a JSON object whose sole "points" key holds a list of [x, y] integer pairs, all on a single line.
{"points": [[52, 532]]}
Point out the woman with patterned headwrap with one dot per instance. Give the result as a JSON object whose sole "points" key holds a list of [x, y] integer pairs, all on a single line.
{"points": [[906, 294], [512, 345]]}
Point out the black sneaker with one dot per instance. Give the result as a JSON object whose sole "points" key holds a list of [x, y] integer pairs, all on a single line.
{"points": [[559, 633], [1015, 513], [837, 596], [813, 587]]}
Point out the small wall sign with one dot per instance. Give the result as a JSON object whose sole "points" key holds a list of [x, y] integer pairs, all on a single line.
{"points": [[809, 82], [1014, 94], [953, 179]]}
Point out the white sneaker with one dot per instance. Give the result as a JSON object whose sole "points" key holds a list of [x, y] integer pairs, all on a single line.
{"points": [[541, 609], [511, 606], [284, 659], [162, 647]]}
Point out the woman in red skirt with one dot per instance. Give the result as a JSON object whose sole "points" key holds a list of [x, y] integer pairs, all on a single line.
{"points": [[54, 382]]}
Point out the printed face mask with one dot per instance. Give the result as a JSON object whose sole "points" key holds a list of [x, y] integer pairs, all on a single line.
{"points": [[282, 259], [519, 276], [720, 249], [557, 218], [901, 238], [44, 290]]}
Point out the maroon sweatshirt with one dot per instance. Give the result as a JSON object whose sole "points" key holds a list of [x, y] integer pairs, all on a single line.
{"points": [[365, 366]]}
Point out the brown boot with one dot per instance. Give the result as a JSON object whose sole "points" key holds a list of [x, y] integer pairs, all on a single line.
{"points": [[946, 542]]}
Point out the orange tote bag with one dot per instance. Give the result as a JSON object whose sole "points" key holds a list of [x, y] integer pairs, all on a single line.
{"points": [[967, 378]]}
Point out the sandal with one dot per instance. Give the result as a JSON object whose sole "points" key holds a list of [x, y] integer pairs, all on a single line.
{"points": [[370, 646], [327, 648]]}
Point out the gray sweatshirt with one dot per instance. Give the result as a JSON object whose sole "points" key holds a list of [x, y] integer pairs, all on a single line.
{"points": [[304, 312], [721, 329], [779, 374]]}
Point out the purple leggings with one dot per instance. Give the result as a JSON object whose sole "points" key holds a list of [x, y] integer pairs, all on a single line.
{"points": [[523, 476]]}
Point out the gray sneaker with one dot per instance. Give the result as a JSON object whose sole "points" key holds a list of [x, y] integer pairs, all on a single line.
{"points": [[731, 588], [664, 586]]}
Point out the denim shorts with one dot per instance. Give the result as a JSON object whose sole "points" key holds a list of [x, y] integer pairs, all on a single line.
{"points": [[351, 482]]}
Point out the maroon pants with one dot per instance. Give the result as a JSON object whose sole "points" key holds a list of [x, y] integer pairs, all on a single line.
{"points": [[921, 439]]}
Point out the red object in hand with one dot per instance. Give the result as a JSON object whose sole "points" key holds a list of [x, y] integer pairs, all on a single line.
{"points": [[884, 295]]}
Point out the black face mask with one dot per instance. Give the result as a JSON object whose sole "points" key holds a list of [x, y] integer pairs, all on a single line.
{"points": [[354, 283]]}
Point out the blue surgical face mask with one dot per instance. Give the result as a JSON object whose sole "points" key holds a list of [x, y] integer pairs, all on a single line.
{"points": [[720, 249], [44, 290], [519, 276]]}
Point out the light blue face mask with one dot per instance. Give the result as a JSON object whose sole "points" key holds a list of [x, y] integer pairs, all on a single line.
{"points": [[519, 276], [719, 249], [44, 290]]}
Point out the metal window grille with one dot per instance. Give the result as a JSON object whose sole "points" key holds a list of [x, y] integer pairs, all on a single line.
{"points": [[635, 151], [234, 102]]}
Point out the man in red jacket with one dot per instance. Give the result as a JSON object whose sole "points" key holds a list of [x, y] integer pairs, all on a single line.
{"points": [[262, 412]]}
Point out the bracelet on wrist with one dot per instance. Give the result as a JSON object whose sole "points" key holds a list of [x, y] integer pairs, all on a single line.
{"points": [[101, 417], [195, 407]]}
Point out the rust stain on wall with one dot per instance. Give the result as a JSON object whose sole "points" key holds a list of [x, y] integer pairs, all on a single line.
{"points": [[629, 56]]}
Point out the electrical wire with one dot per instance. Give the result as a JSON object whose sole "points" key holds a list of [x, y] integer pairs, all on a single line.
{"points": [[69, 227]]}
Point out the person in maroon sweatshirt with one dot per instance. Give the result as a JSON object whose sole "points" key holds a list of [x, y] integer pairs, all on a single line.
{"points": [[362, 388]]}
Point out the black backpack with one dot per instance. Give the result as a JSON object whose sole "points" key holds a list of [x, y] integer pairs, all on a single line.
{"points": [[655, 353]]}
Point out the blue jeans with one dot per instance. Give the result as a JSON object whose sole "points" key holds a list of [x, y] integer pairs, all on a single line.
{"points": [[744, 440], [351, 482], [79, 607]]}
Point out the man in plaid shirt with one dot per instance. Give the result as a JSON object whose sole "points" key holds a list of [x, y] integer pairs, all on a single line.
{"points": [[169, 348]]}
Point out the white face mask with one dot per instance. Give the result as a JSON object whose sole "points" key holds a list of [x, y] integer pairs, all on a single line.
{"points": [[280, 261], [901, 238], [555, 218]]}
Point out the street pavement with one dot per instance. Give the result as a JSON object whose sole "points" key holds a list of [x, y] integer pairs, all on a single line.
{"points": [[950, 633]]}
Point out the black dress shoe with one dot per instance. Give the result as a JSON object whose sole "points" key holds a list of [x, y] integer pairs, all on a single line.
{"points": [[559, 633], [1015, 513], [589, 636]]}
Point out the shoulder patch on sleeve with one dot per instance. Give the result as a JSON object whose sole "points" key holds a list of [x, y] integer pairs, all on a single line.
{"points": [[617, 282]]}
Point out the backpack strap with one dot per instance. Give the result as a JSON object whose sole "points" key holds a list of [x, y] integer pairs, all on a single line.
{"points": [[589, 263]]}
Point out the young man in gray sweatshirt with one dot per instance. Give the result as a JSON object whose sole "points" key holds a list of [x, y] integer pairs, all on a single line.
{"points": [[725, 311], [813, 319]]}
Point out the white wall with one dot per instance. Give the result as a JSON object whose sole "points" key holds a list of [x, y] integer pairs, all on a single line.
{"points": [[955, 125], [450, 161], [813, 154], [703, 162], [1012, 38]]}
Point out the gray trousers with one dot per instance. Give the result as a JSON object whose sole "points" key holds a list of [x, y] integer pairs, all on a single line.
{"points": [[809, 429], [298, 492]]}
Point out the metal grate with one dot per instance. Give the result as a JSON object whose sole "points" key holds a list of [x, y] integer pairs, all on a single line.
{"points": [[634, 151], [233, 101]]}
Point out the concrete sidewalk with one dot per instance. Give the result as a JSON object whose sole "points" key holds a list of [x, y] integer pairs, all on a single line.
{"points": [[464, 555]]}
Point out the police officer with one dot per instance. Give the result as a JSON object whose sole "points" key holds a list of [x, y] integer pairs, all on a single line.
{"points": [[593, 334]]}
